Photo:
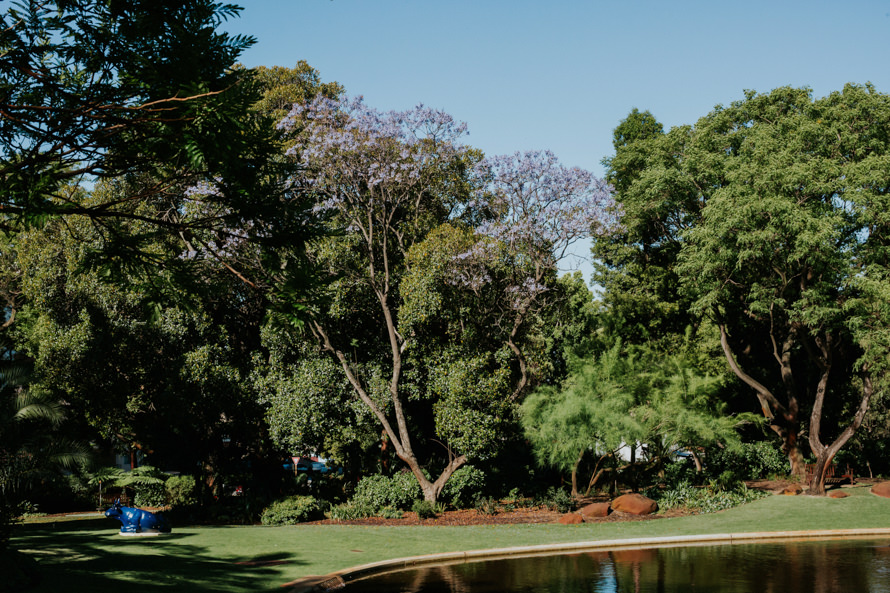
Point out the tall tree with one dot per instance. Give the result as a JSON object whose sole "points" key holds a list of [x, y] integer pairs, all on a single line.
{"points": [[656, 179], [789, 256], [145, 91], [431, 249]]}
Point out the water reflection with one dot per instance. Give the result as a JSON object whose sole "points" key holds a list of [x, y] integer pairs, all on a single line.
{"points": [[801, 567]]}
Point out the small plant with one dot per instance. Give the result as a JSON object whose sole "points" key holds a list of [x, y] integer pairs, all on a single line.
{"points": [[390, 513], [487, 506], [426, 509], [292, 510], [557, 499]]}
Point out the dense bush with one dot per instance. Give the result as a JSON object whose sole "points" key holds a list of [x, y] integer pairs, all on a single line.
{"points": [[150, 495], [426, 509], [180, 491], [378, 492], [681, 470], [293, 510], [750, 461], [703, 499], [464, 487], [557, 499], [350, 511]]}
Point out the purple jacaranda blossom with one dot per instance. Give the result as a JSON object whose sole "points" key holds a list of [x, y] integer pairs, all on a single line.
{"points": [[540, 209], [360, 161], [544, 206]]}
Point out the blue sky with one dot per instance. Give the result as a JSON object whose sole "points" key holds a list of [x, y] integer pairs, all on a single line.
{"points": [[560, 74]]}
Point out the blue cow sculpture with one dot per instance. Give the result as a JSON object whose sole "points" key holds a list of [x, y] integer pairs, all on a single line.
{"points": [[135, 520]]}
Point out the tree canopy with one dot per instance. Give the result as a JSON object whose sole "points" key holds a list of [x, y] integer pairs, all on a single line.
{"points": [[770, 218]]}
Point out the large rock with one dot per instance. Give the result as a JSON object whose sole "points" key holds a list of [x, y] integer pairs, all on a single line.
{"points": [[597, 509], [570, 519], [837, 494], [635, 504], [882, 489]]}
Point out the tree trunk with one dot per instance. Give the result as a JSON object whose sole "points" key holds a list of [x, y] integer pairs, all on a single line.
{"points": [[784, 420], [825, 455], [431, 490], [575, 474], [696, 459]]}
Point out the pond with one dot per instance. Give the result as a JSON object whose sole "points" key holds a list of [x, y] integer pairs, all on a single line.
{"points": [[842, 566]]}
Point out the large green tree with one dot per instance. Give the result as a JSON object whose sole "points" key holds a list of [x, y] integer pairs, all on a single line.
{"points": [[776, 207], [144, 92]]}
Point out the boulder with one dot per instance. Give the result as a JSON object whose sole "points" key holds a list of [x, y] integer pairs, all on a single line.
{"points": [[597, 509], [837, 494], [570, 519], [881, 489], [635, 504], [792, 490]]}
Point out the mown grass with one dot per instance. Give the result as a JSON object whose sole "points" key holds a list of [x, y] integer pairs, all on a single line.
{"points": [[88, 555]]}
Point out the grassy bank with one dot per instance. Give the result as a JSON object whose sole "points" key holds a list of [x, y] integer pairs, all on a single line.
{"points": [[88, 555]]}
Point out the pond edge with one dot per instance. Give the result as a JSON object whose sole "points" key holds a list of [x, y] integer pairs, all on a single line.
{"points": [[337, 579]]}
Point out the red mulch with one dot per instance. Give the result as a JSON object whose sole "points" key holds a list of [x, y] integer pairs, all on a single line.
{"points": [[528, 515]]}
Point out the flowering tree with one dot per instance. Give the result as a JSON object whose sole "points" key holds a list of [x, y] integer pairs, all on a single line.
{"points": [[541, 209], [427, 240]]}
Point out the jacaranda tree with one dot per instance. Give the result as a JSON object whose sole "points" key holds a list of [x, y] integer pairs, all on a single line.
{"points": [[436, 266]]}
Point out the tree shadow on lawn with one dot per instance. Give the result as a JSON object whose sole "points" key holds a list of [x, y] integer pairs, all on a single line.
{"points": [[77, 559]]}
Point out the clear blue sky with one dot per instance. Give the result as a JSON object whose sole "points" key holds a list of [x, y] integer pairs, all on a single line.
{"points": [[561, 74]]}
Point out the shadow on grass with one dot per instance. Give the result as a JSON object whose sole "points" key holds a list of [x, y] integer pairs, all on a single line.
{"points": [[74, 558]]}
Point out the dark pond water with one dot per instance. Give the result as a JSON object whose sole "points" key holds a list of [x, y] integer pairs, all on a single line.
{"points": [[848, 566]]}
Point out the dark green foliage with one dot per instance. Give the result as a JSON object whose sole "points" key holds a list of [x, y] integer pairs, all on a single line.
{"points": [[180, 491], [749, 461], [378, 491], [426, 509], [351, 511], [146, 483], [293, 510], [557, 499], [129, 88], [708, 499], [464, 487], [487, 505], [150, 496], [32, 446]]}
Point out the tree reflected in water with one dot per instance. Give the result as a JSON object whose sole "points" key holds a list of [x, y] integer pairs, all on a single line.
{"points": [[799, 567]]}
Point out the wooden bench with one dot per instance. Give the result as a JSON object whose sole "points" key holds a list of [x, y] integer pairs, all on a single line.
{"points": [[832, 475]]}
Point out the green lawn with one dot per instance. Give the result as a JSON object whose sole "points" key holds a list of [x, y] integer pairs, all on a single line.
{"points": [[88, 555]]}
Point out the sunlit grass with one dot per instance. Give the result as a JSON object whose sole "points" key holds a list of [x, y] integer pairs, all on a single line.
{"points": [[88, 555]]}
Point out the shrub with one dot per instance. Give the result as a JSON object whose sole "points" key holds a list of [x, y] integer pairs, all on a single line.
{"points": [[487, 506], [150, 495], [750, 461], [350, 511], [377, 492], [180, 491], [703, 500], [557, 499], [681, 470], [426, 509], [464, 487], [292, 510]]}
